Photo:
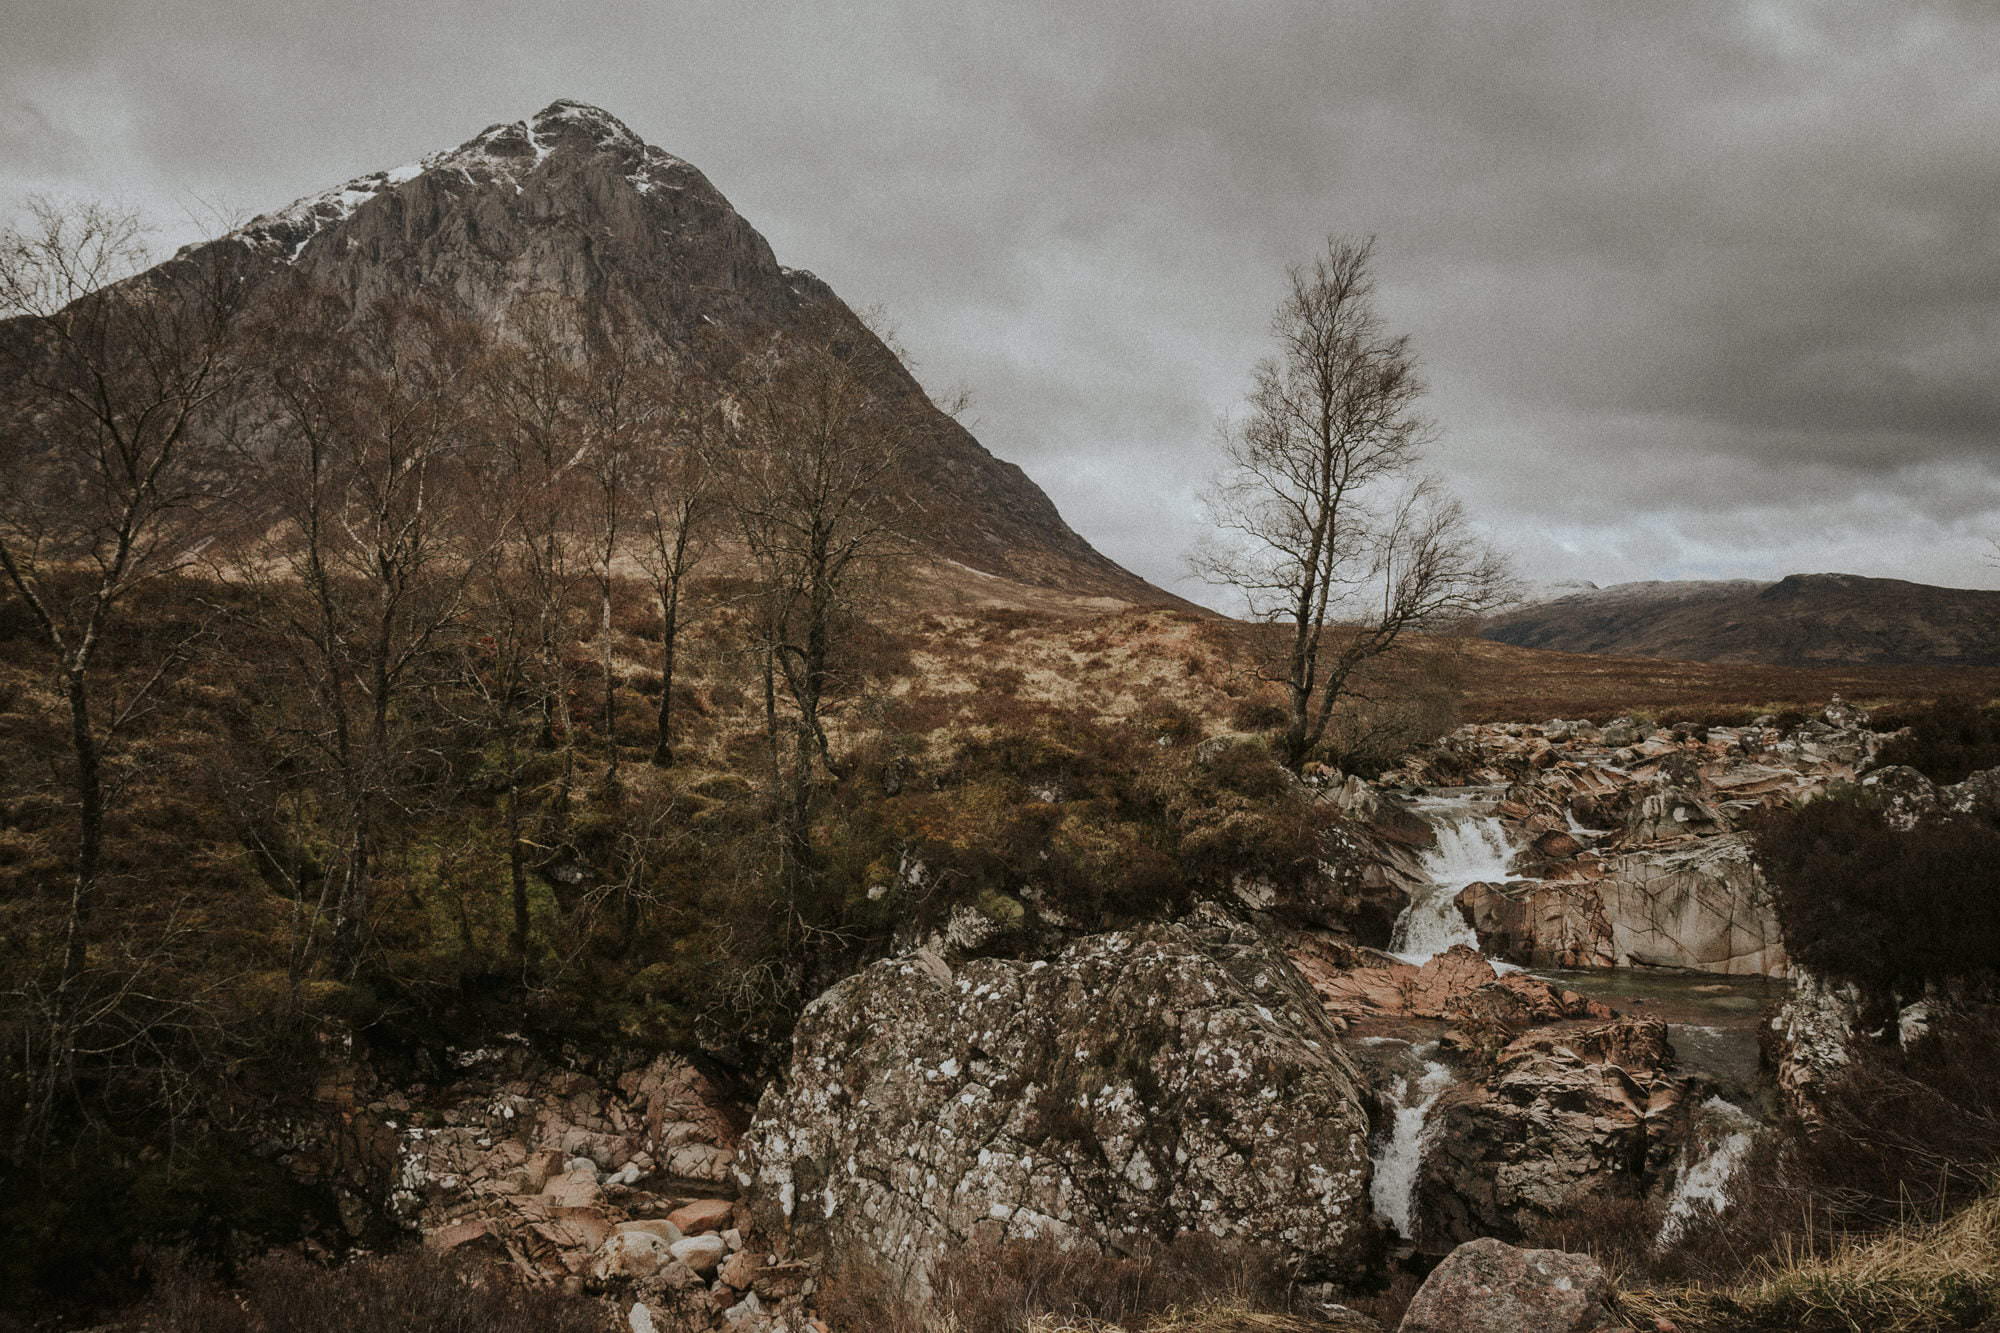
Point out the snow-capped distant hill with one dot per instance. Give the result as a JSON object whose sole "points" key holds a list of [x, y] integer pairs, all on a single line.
{"points": [[1801, 620]]}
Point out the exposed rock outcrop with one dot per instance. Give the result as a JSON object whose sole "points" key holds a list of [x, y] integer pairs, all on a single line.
{"points": [[1813, 1036], [1567, 1115], [1634, 850], [1457, 985], [1170, 1079], [1485, 1286]]}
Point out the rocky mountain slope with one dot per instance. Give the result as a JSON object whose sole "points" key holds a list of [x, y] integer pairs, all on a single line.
{"points": [[1801, 620], [571, 211]]}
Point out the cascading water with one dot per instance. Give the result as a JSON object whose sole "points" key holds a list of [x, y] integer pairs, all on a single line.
{"points": [[1394, 1190], [1705, 1182], [1471, 848]]}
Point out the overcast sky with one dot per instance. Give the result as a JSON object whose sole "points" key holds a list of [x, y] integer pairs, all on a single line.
{"points": [[1702, 290]]}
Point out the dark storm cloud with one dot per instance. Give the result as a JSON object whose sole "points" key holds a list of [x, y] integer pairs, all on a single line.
{"points": [[1704, 289]]}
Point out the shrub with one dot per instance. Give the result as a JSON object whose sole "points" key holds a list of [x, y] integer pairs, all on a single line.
{"points": [[1917, 1279], [1948, 742], [1190, 1283], [1259, 712], [1904, 1134], [1237, 811], [397, 1294], [1861, 900]]}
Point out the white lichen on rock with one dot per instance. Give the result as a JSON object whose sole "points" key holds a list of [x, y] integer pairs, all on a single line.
{"points": [[1167, 1079]]}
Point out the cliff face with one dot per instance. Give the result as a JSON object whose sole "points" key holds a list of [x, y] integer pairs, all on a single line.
{"points": [[614, 238]]}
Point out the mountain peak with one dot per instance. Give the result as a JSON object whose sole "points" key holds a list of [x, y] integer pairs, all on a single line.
{"points": [[620, 240], [510, 150], [568, 116]]}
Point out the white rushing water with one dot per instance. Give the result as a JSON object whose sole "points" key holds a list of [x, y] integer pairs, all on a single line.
{"points": [[1472, 848], [1394, 1190], [1704, 1182]]}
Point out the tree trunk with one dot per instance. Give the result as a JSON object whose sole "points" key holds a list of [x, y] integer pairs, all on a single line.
{"points": [[663, 743], [90, 823], [517, 867], [610, 685]]}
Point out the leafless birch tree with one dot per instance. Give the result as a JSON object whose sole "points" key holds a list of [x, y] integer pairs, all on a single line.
{"points": [[106, 383], [372, 470], [1329, 525], [810, 490]]}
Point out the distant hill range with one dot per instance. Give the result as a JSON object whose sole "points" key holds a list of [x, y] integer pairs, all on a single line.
{"points": [[1801, 620]]}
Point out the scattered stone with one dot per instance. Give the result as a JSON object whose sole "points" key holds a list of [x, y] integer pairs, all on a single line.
{"points": [[746, 1314], [630, 1254], [700, 1253], [658, 1226], [702, 1215], [575, 1188], [739, 1269]]}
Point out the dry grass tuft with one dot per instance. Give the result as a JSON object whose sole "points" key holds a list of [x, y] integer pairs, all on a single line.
{"points": [[1207, 1317], [1917, 1279], [1191, 1284]]}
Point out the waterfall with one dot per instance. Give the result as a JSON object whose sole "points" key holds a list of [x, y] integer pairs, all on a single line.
{"points": [[1471, 849], [1705, 1182], [1394, 1190]]}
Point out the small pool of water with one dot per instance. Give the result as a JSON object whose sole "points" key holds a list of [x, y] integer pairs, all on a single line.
{"points": [[1712, 1021]]}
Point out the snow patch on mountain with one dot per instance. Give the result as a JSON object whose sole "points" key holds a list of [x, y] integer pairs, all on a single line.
{"points": [[1579, 592], [510, 151]]}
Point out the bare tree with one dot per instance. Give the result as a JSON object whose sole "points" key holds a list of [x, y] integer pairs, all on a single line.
{"points": [[107, 381], [810, 489], [616, 415], [1328, 521], [675, 520], [371, 470]]}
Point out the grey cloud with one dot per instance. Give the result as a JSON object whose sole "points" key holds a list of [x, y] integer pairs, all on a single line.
{"points": [[1701, 288]]}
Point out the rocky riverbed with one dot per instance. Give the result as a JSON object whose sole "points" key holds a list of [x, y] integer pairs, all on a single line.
{"points": [[1534, 978]]}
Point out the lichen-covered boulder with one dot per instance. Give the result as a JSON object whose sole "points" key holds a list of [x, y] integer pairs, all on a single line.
{"points": [[1175, 1078], [1485, 1286]]}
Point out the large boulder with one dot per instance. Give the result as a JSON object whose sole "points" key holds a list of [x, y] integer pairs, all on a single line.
{"points": [[1565, 1116], [1485, 1286], [1978, 794], [1908, 797], [1175, 1078]]}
